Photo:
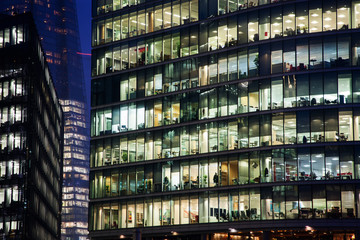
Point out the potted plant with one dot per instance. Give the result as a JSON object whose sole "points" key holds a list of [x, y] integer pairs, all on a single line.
{"points": [[125, 156], [205, 179], [257, 62]]}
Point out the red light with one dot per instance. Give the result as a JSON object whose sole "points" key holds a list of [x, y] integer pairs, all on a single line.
{"points": [[84, 54]]}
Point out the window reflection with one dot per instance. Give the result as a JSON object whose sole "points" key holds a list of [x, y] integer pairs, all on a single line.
{"points": [[297, 89], [289, 56], [312, 166]]}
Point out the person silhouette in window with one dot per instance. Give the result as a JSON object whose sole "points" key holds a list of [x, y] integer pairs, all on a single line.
{"points": [[114, 225], [266, 172], [216, 179]]}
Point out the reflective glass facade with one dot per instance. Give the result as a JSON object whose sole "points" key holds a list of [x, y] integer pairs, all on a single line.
{"points": [[56, 21], [31, 136], [237, 113]]}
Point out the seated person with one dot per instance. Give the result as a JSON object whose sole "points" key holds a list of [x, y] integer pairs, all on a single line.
{"points": [[114, 225]]}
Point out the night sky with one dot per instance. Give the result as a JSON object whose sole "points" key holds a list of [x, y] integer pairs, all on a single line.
{"points": [[84, 16]]}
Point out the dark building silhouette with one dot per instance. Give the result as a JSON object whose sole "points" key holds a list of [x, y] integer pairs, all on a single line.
{"points": [[225, 119], [31, 136], [56, 21]]}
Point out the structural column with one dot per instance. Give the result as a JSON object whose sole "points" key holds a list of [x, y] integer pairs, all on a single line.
{"points": [[266, 235], [137, 234]]}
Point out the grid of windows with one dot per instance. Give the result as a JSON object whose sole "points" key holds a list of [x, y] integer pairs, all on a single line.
{"points": [[269, 203], [277, 165], [13, 35], [335, 88], [289, 20], [57, 24], [105, 6], [242, 113], [145, 21], [301, 127], [75, 171], [28, 101], [291, 56], [214, 35]]}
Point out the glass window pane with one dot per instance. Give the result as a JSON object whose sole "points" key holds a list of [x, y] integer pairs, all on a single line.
{"points": [[276, 22], [264, 27], [176, 13], [343, 15], [253, 25], [315, 15], [329, 15], [289, 20]]}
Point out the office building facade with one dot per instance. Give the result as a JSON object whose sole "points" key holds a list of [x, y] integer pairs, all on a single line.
{"points": [[31, 136], [57, 24], [225, 119]]}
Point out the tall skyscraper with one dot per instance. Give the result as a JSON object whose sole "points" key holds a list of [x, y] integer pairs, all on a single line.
{"points": [[56, 21], [31, 136], [225, 119]]}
